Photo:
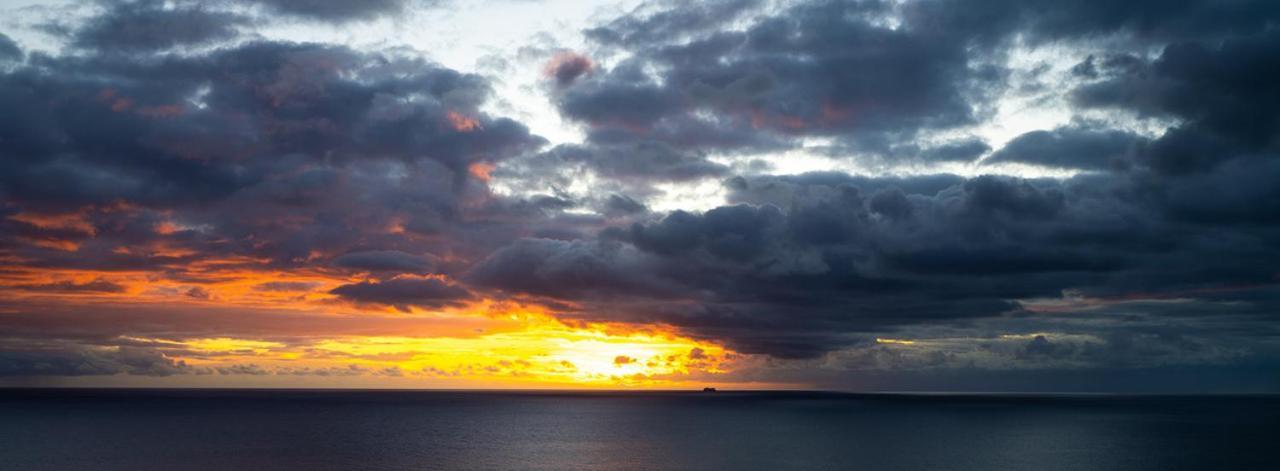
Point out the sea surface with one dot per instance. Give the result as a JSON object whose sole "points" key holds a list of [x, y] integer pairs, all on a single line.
{"points": [[322, 430]]}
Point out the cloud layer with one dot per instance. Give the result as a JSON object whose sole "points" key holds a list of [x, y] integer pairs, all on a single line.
{"points": [[168, 152]]}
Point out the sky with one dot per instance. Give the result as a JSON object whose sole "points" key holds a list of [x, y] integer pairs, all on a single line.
{"points": [[898, 195]]}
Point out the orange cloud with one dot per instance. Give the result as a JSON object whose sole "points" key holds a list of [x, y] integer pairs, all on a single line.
{"points": [[462, 123], [76, 221], [481, 170], [166, 228]]}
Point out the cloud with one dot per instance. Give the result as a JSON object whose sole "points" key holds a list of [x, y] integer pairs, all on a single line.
{"points": [[335, 12], [174, 144], [405, 291], [725, 86], [146, 26], [385, 261], [621, 204], [286, 286], [1220, 93], [82, 362], [254, 101], [566, 67], [9, 50], [197, 292], [44, 322], [655, 22], [1073, 147], [568, 269], [96, 286], [850, 255], [643, 160], [779, 76], [302, 148], [1047, 20], [243, 369]]}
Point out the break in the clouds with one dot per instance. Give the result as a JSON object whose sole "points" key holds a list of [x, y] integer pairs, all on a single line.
{"points": [[923, 194]]}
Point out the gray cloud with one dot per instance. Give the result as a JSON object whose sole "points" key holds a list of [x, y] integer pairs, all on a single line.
{"points": [[145, 26], [1221, 93], [9, 49], [73, 361], [566, 67], [404, 292], [336, 12], [849, 255], [286, 286], [385, 261], [1073, 147], [271, 155], [783, 75], [569, 269], [95, 286]]}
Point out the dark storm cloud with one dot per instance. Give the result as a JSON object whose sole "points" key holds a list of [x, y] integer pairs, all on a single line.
{"points": [[621, 204], [9, 50], [1047, 20], [192, 129], [1225, 95], [627, 104], [95, 286], [640, 161], [279, 150], [1072, 147], [385, 261], [570, 269], [281, 156], [173, 129], [688, 88], [790, 74], [825, 257], [566, 67], [145, 25], [1234, 194], [335, 11], [401, 292], [76, 361], [668, 23], [695, 78]]}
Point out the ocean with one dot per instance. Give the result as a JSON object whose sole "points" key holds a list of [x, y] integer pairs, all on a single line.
{"points": [[441, 430]]}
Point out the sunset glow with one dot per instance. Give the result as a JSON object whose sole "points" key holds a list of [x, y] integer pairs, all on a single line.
{"points": [[482, 342]]}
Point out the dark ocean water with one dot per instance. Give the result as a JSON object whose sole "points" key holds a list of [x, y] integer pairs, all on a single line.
{"points": [[320, 430]]}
